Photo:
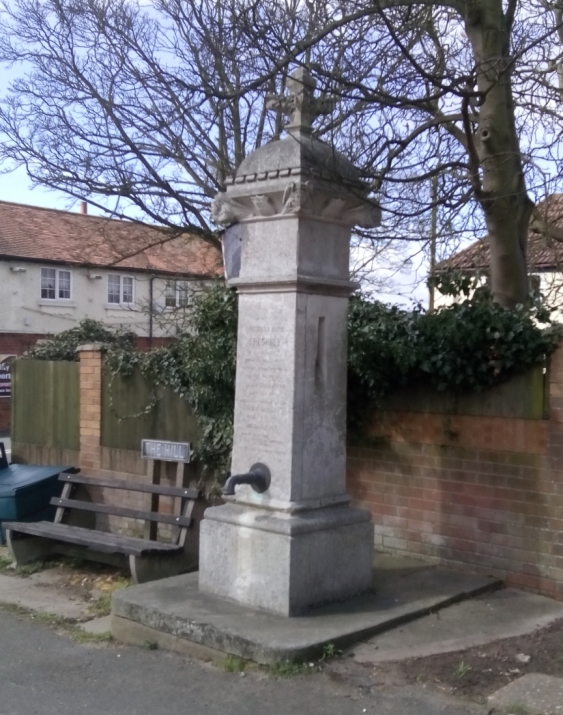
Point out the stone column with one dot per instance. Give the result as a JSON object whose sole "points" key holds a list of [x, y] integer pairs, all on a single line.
{"points": [[299, 544], [90, 406]]}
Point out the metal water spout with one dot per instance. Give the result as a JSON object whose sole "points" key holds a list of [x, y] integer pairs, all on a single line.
{"points": [[258, 478]]}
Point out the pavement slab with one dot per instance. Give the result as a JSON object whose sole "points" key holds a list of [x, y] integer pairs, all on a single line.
{"points": [[39, 592], [97, 626], [534, 694], [175, 608], [503, 614]]}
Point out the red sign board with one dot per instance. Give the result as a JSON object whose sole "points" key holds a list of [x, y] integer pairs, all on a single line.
{"points": [[5, 378]]}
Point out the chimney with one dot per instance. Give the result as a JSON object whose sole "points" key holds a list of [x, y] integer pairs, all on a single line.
{"points": [[83, 207]]}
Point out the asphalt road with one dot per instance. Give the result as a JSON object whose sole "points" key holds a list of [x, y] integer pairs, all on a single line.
{"points": [[45, 673]]}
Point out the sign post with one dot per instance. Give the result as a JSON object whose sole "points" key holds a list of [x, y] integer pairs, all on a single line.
{"points": [[158, 451]]}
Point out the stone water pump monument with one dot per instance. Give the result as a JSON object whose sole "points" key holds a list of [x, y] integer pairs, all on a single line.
{"points": [[293, 542], [286, 541]]}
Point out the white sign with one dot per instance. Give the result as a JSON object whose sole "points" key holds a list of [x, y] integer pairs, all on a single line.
{"points": [[166, 451]]}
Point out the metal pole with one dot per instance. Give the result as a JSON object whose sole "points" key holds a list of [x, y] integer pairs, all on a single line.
{"points": [[433, 235]]}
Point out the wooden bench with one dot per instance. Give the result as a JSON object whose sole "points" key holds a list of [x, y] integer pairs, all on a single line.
{"points": [[73, 531]]}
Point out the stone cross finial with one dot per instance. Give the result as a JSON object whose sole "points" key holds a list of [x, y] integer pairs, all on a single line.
{"points": [[300, 104]]}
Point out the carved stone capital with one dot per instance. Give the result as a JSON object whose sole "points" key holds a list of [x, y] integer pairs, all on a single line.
{"points": [[367, 215], [353, 211], [298, 198], [226, 210]]}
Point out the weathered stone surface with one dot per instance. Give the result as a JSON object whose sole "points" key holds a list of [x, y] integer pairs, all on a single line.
{"points": [[287, 248], [177, 608], [291, 396], [301, 153], [536, 694], [297, 544], [285, 563]]}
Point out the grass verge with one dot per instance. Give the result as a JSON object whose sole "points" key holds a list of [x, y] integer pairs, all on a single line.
{"points": [[5, 563], [284, 669], [66, 625]]}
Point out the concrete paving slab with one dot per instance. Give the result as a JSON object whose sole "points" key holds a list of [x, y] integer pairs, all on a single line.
{"points": [[535, 694], [502, 614], [39, 593], [97, 626], [175, 607]]}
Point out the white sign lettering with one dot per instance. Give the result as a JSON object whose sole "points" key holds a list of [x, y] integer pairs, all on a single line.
{"points": [[5, 379], [165, 451]]}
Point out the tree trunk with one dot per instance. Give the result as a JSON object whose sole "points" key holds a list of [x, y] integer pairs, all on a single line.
{"points": [[503, 196]]}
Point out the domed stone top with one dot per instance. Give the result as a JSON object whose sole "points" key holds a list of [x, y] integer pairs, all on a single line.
{"points": [[297, 154], [298, 175]]}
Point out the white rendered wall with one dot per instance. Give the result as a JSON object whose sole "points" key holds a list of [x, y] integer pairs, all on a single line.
{"points": [[22, 310]]}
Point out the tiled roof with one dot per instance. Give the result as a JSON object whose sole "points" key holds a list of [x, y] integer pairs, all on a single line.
{"points": [[40, 234], [545, 243]]}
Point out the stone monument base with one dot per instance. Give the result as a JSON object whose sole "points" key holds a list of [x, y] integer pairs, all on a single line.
{"points": [[175, 615], [285, 563]]}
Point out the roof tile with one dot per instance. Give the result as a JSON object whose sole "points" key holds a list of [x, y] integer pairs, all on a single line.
{"points": [[545, 243], [35, 233]]}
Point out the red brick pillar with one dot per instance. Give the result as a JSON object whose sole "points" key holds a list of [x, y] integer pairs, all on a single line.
{"points": [[90, 406]]}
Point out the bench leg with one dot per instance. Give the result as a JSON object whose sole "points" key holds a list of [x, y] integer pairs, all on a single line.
{"points": [[24, 549], [152, 568]]}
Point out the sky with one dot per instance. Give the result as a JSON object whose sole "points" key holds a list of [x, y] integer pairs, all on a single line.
{"points": [[16, 186]]}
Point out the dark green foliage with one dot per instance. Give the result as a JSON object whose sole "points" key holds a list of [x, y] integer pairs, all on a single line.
{"points": [[200, 367], [456, 283], [381, 342], [63, 346], [466, 346]]}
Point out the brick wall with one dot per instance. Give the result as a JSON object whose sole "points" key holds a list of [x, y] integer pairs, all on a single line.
{"points": [[90, 406], [483, 491]]}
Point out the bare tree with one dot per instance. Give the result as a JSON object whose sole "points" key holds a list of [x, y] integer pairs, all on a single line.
{"points": [[155, 105], [122, 105], [478, 74]]}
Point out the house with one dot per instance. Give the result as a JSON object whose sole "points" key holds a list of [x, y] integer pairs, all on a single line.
{"points": [[58, 267], [545, 255]]}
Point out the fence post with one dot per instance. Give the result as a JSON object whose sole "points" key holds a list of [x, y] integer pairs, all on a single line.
{"points": [[90, 405]]}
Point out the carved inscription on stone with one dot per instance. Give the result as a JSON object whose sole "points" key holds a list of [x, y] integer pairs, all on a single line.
{"points": [[264, 390]]}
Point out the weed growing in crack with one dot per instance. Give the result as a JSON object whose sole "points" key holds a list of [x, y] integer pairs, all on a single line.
{"points": [[461, 670]]}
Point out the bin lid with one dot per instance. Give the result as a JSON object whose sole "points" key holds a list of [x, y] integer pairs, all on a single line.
{"points": [[21, 476]]}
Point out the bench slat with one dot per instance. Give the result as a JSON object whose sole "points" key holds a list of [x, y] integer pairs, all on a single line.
{"points": [[163, 490], [122, 511], [97, 540]]}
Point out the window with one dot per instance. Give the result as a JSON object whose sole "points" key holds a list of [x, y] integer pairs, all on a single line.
{"points": [[55, 284], [120, 289], [177, 294]]}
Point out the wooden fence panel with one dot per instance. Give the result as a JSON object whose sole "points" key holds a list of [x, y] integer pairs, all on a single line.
{"points": [[45, 403], [124, 426], [523, 396]]}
